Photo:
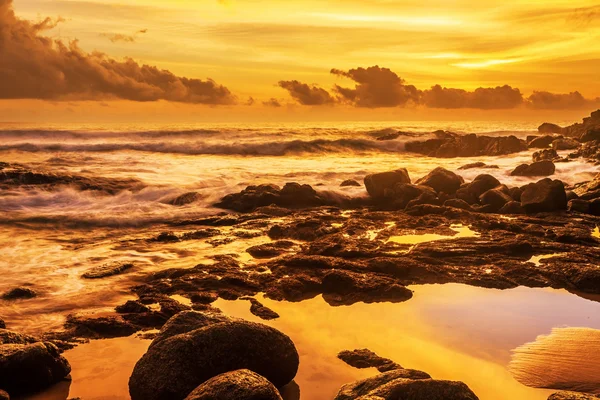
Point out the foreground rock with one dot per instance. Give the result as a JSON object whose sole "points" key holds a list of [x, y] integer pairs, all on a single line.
{"points": [[364, 358], [107, 270], [540, 168], [174, 367], [381, 185], [572, 396], [20, 293], [544, 196], [405, 384], [448, 144], [27, 368], [345, 287], [442, 180], [237, 385]]}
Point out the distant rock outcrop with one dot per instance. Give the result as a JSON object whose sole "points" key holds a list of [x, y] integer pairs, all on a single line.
{"points": [[449, 144]]}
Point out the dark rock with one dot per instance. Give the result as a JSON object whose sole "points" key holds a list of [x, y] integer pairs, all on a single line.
{"points": [[419, 389], [512, 207], [258, 309], [204, 297], [345, 287], [175, 366], [541, 142], [573, 396], [2, 324], [590, 135], [382, 184], [404, 193], [541, 168], [9, 337], [478, 165], [425, 198], [187, 321], [19, 293], [442, 180], [200, 234], [356, 390], [270, 250], [364, 358], [27, 368], [571, 195], [579, 205], [515, 193], [350, 182], [470, 192], [458, 203], [102, 327], [495, 198], [544, 196], [107, 270], [184, 199], [448, 144], [167, 237], [132, 307], [565, 144], [546, 154], [547, 127], [242, 384]]}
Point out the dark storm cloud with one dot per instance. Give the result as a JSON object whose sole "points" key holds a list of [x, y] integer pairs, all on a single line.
{"points": [[37, 67], [501, 97], [273, 102], [306, 94], [376, 87]]}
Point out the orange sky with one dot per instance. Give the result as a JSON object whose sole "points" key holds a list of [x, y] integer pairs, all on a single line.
{"points": [[248, 46]]}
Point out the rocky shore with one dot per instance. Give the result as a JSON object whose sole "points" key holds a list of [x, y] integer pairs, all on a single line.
{"points": [[347, 249]]}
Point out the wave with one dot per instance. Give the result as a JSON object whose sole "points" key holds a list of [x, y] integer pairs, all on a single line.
{"points": [[83, 135], [281, 148]]}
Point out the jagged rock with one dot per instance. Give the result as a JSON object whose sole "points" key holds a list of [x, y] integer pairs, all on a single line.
{"points": [[495, 198], [578, 130], [132, 307], [242, 384], [365, 358], [448, 144], [9, 337], [382, 184], [270, 250], [350, 182], [590, 135], [573, 396], [184, 199], [565, 144], [27, 368], [20, 293], [546, 154], [547, 127], [167, 237], [540, 168], [107, 270], [442, 180], [544, 196], [174, 367]]}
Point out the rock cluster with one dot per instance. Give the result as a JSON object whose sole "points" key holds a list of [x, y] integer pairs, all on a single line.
{"points": [[448, 144]]}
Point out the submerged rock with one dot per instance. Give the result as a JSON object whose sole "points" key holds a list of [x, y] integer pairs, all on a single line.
{"points": [[548, 127], [99, 328], [184, 199], [478, 165], [271, 249], [27, 368], [345, 287], [540, 168], [242, 384], [20, 293], [187, 321], [174, 367], [107, 270], [350, 182], [544, 196], [258, 309], [442, 180], [382, 184], [365, 358]]}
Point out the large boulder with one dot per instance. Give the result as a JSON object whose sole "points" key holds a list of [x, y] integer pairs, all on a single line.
{"points": [[540, 168], [27, 368], [4, 395], [541, 142], [404, 193], [547, 127], [546, 195], [546, 154], [382, 184], [242, 384], [470, 192], [187, 321], [495, 198], [442, 180], [174, 367], [590, 135], [573, 396], [565, 144]]}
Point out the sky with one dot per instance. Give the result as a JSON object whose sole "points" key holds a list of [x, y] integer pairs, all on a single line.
{"points": [[64, 60]]}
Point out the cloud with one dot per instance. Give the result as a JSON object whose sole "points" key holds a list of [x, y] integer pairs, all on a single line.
{"points": [[37, 67], [501, 97], [554, 101], [272, 103], [376, 87], [307, 95], [119, 37]]}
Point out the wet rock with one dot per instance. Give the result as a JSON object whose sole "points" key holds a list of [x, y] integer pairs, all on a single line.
{"points": [[184, 199], [478, 165], [4, 395], [20, 293], [204, 297], [512, 207], [174, 367], [448, 144], [132, 307], [27, 368], [382, 184], [442, 180], [270, 250], [495, 198], [541, 142], [167, 237], [579, 205], [187, 321], [350, 182], [590, 135], [107, 270], [515, 193], [544, 196], [200, 234], [364, 358], [548, 127], [99, 328], [565, 144], [540, 168], [470, 192], [9, 337], [2, 324], [405, 193], [242, 384], [258, 309], [580, 129], [458, 203], [364, 387], [572, 396], [546, 154], [345, 288]]}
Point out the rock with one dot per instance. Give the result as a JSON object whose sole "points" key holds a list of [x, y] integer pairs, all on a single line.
{"points": [[4, 395], [242, 384], [20, 293], [515, 193], [458, 203], [565, 144], [404, 193], [417, 389], [175, 366], [102, 327], [107, 270], [382, 184], [540, 168], [271, 249], [544, 196], [345, 287], [442, 180], [478, 165], [364, 358], [512, 207], [258, 309], [547, 127], [495, 198], [350, 182], [187, 321], [2, 324], [167, 237], [546, 154], [364, 387], [448, 144], [590, 135], [572, 396], [541, 142], [579, 205], [27, 368], [184, 199], [132, 307], [9, 337], [471, 192]]}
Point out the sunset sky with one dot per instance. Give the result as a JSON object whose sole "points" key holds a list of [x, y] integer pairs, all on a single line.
{"points": [[298, 58]]}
